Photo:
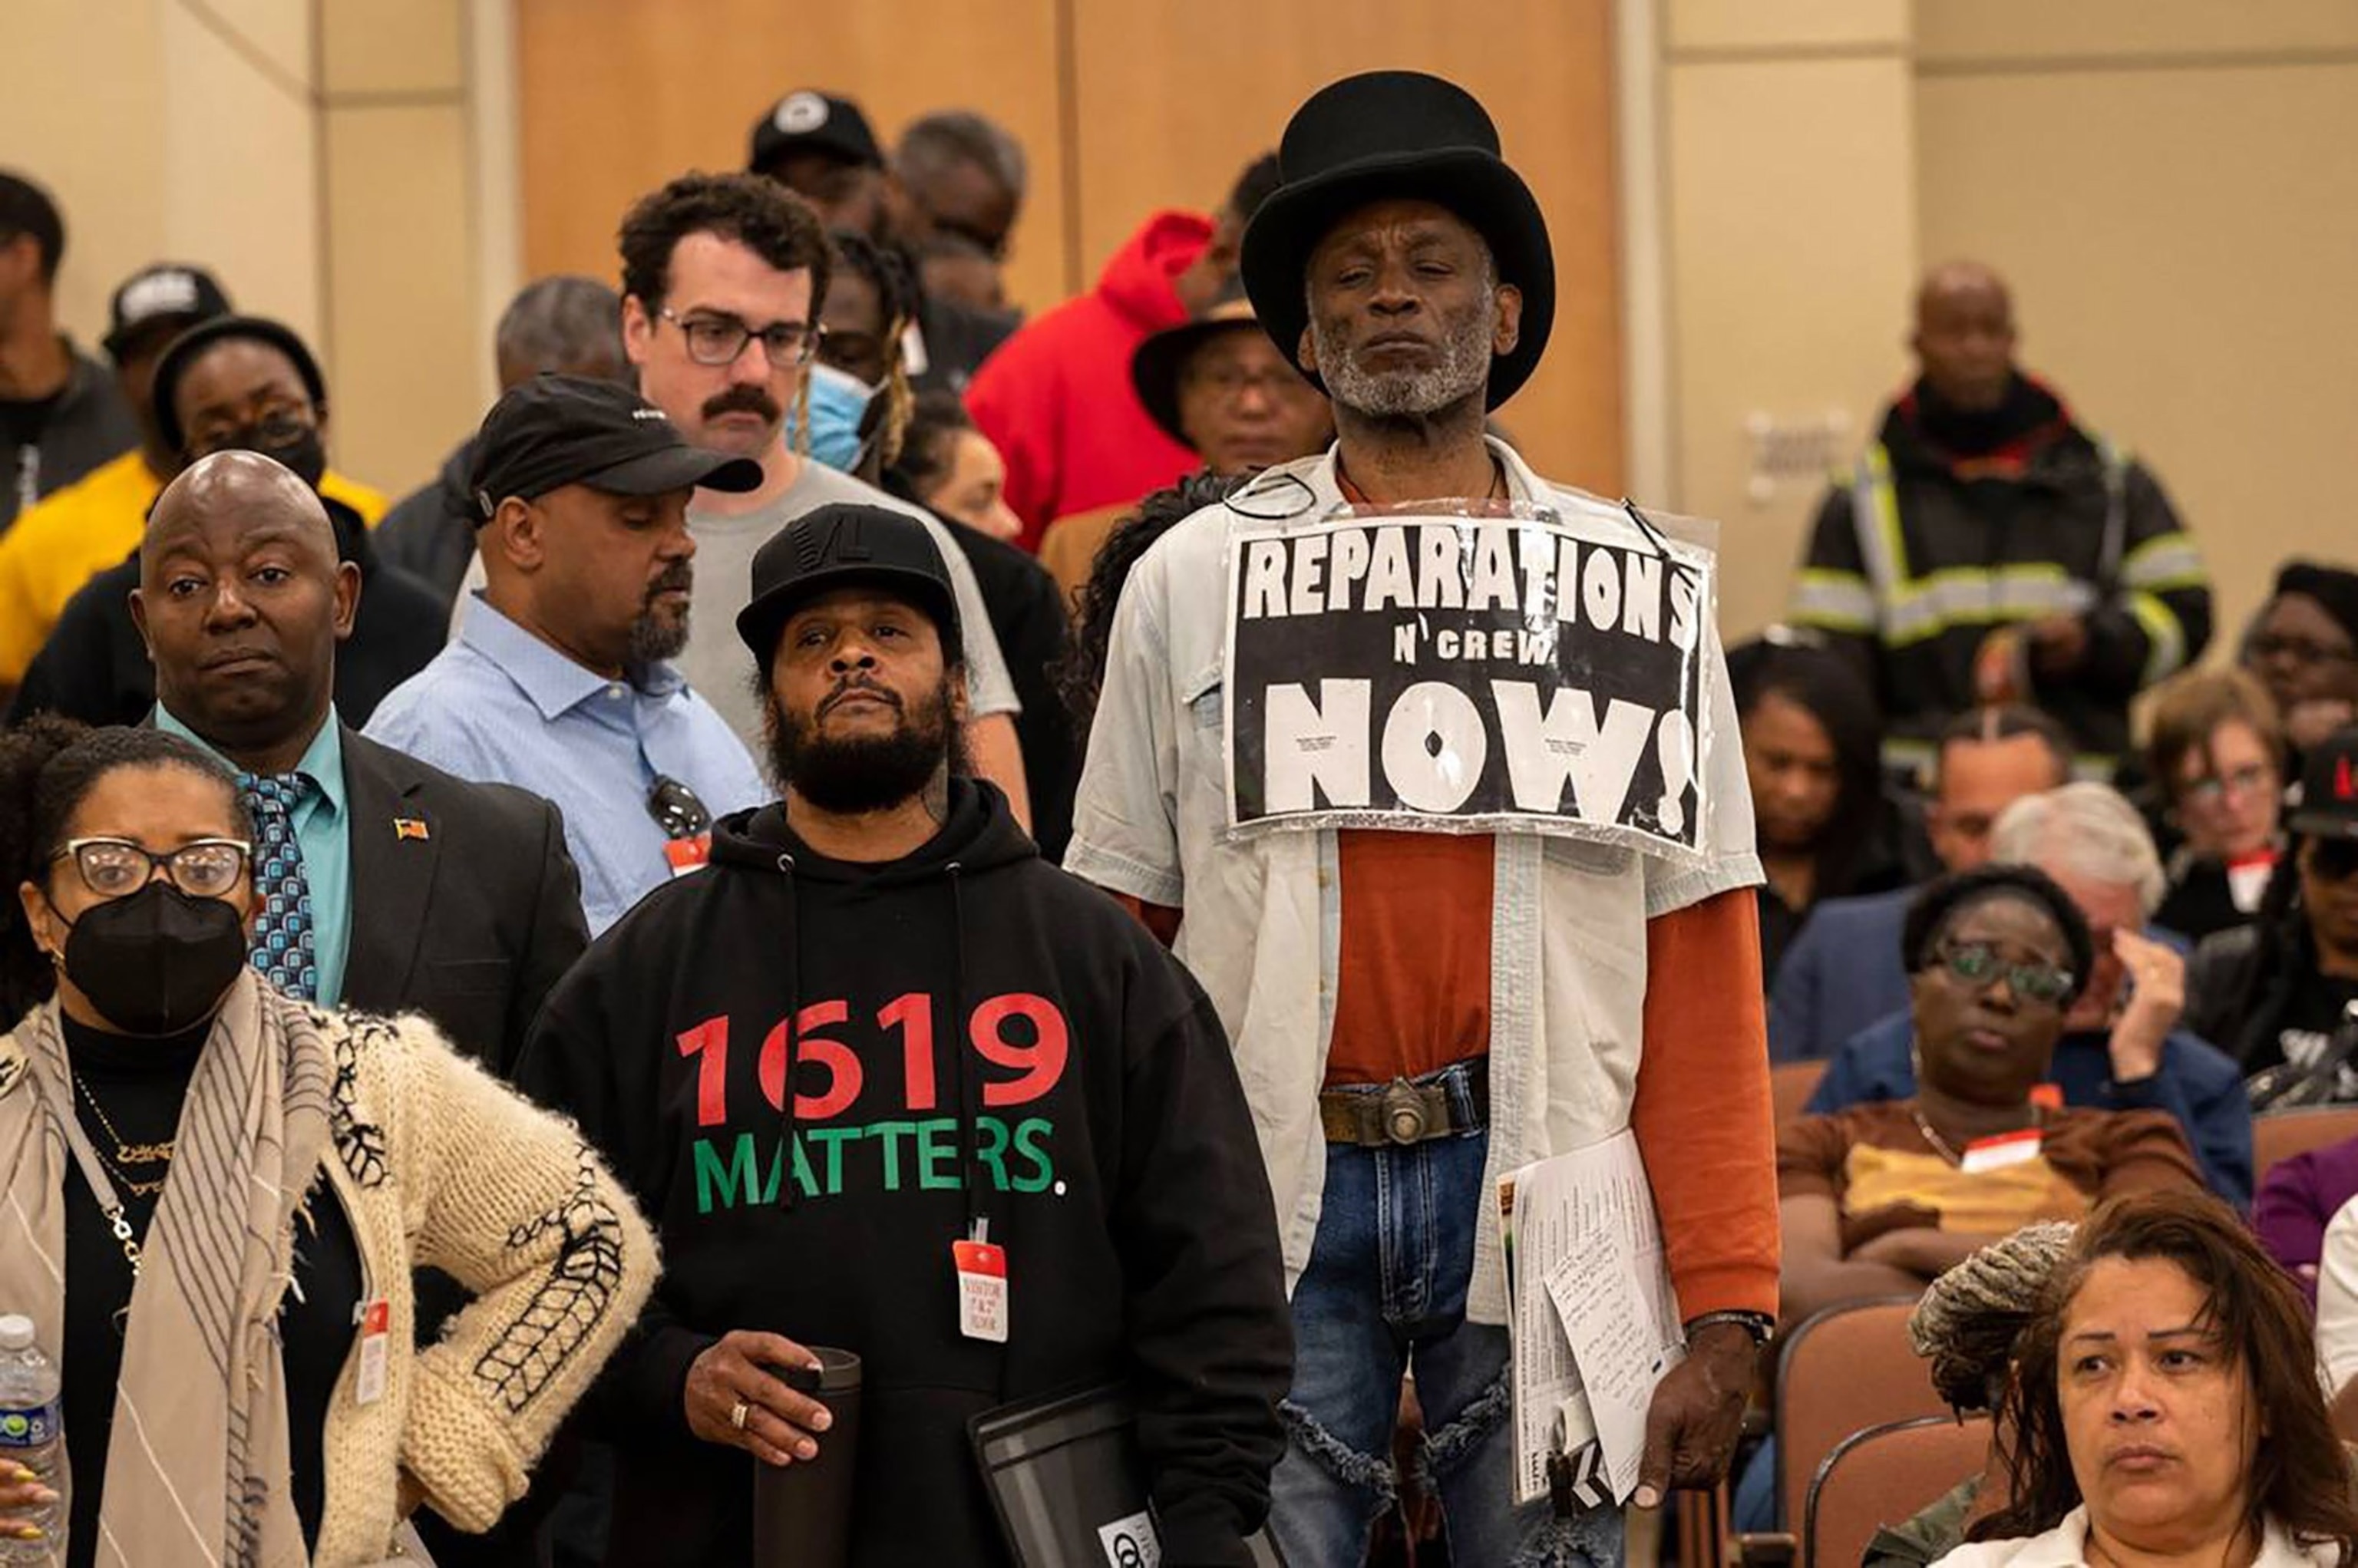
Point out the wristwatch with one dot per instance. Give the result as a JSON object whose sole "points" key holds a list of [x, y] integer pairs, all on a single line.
{"points": [[1758, 1324]]}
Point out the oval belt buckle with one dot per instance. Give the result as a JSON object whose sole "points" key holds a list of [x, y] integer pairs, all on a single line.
{"points": [[1403, 1112]]}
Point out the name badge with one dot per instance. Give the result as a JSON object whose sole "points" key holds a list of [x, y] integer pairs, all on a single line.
{"points": [[376, 1321], [688, 855], [1996, 1153], [982, 1290]]}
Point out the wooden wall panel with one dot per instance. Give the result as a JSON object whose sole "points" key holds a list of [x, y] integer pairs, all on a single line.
{"points": [[617, 96], [1168, 103], [1174, 100]]}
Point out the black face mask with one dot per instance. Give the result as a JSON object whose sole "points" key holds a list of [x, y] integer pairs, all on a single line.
{"points": [[157, 961], [303, 455]]}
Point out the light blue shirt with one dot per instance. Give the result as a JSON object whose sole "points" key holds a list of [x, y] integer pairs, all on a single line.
{"points": [[501, 705], [323, 832]]}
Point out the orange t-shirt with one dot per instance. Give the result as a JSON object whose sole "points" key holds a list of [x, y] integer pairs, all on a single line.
{"points": [[1413, 972]]}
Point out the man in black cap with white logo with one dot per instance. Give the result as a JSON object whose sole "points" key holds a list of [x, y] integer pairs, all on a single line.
{"points": [[560, 680], [819, 146], [895, 1085], [1419, 1012]]}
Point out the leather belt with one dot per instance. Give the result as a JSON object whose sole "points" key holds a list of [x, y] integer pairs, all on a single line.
{"points": [[1401, 1114]]}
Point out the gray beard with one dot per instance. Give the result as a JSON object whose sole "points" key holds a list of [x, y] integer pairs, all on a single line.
{"points": [[652, 638], [1464, 370]]}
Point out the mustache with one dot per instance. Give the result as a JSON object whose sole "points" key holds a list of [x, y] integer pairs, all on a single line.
{"points": [[850, 683], [743, 397], [679, 575]]}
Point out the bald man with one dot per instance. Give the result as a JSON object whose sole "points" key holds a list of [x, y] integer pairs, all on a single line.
{"points": [[1990, 549], [426, 893]]}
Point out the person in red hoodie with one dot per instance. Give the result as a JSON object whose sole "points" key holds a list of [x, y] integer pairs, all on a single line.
{"points": [[1056, 399]]}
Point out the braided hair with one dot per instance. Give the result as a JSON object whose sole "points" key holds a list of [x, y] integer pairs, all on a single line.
{"points": [[1967, 1322], [48, 765], [886, 423], [1080, 673]]}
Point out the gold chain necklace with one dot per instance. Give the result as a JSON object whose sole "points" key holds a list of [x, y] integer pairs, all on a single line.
{"points": [[127, 1153], [1947, 1151]]}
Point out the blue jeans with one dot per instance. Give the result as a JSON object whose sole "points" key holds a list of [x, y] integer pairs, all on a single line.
{"points": [[1384, 1293]]}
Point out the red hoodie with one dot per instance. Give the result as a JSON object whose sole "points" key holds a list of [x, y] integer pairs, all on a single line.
{"points": [[1055, 398]]}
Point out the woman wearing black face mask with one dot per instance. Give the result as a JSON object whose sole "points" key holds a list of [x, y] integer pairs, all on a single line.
{"points": [[211, 1199]]}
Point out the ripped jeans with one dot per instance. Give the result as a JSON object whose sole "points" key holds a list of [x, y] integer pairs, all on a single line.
{"points": [[1385, 1292]]}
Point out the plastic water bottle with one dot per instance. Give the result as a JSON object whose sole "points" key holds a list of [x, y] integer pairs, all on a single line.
{"points": [[31, 1434]]}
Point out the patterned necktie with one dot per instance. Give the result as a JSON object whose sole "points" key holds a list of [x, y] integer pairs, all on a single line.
{"points": [[282, 936]]}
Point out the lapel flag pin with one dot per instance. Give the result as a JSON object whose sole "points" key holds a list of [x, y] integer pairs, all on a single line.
{"points": [[408, 827]]}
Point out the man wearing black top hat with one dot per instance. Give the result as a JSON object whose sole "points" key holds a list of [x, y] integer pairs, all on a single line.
{"points": [[1418, 1013], [893, 1085]]}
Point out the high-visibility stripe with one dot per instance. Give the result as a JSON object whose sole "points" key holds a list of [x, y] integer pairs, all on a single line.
{"points": [[1981, 596], [2162, 631], [2169, 560], [1839, 602]]}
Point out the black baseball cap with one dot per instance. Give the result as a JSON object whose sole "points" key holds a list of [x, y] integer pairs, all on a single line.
{"points": [[809, 121], [836, 546], [189, 345], [170, 293], [555, 431], [2328, 787]]}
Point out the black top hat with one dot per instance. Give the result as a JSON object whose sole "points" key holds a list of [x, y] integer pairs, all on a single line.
{"points": [[1387, 133]]}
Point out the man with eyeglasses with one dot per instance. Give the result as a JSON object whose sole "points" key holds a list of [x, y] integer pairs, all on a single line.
{"points": [[560, 680], [238, 383], [723, 280], [2124, 1044]]}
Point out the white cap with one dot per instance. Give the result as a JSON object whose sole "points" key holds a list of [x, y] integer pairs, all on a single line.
{"points": [[16, 1332]]}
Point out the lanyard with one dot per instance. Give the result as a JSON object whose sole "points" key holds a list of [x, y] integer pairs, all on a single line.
{"points": [[100, 1186]]}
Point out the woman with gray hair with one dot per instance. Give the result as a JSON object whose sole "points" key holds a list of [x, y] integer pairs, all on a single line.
{"points": [[1966, 1326]]}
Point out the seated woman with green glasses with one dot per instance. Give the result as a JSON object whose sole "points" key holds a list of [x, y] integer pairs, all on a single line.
{"points": [[1879, 1199]]}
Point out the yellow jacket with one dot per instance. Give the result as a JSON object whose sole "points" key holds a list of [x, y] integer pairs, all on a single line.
{"points": [[74, 533]]}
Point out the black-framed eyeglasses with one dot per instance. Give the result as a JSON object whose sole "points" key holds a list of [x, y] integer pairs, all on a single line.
{"points": [[2299, 650], [719, 339], [676, 810], [1981, 966], [116, 868], [280, 427]]}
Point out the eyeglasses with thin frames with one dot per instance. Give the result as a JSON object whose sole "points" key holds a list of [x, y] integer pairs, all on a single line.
{"points": [[719, 339], [117, 868]]}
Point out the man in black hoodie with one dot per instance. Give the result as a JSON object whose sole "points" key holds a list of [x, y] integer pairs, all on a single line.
{"points": [[878, 1025]]}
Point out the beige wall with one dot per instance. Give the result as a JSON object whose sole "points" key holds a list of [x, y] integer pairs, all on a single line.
{"points": [[2168, 183], [316, 155], [2171, 188]]}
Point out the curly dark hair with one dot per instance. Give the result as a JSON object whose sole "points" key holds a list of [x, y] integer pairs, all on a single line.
{"points": [[2299, 1480], [1080, 673], [754, 211], [1930, 913], [48, 765]]}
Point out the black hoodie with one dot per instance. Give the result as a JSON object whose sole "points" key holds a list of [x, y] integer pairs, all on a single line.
{"points": [[1115, 1162]]}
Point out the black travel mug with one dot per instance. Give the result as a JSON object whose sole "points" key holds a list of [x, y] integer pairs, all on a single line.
{"points": [[802, 1513]]}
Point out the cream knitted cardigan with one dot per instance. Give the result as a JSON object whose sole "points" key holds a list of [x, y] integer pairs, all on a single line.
{"points": [[437, 1163]]}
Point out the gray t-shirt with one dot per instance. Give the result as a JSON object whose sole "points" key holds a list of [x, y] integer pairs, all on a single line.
{"points": [[716, 663], [718, 667]]}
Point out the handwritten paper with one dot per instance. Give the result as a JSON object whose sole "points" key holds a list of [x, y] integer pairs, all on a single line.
{"points": [[1595, 1321]]}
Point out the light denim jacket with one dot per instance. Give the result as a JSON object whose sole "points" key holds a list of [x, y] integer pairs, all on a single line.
{"points": [[1262, 916]]}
